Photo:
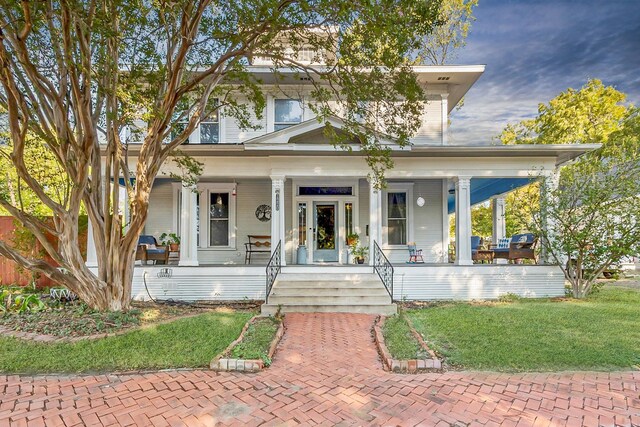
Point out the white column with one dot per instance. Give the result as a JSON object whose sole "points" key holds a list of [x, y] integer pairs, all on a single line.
{"points": [[445, 118], [92, 256], [549, 184], [277, 215], [375, 218], [446, 240], [499, 229], [463, 220], [188, 227]]}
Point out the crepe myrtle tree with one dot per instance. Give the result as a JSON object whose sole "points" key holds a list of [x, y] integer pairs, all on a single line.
{"points": [[75, 74], [590, 221]]}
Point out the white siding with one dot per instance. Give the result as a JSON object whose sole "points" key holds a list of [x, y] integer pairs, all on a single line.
{"points": [[235, 135], [160, 218], [427, 223], [449, 282], [199, 283], [363, 201], [290, 251], [430, 133]]}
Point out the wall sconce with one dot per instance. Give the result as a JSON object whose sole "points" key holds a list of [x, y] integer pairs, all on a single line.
{"points": [[420, 201]]}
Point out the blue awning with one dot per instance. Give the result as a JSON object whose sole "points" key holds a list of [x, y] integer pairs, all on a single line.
{"points": [[483, 189]]}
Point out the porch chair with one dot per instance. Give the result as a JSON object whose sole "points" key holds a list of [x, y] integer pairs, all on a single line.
{"points": [[414, 254], [149, 250], [476, 244], [520, 246]]}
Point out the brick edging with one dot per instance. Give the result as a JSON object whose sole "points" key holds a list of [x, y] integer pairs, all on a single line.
{"points": [[54, 339], [221, 363], [412, 365]]}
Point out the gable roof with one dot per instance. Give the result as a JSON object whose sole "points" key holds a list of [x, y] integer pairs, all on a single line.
{"points": [[308, 135]]}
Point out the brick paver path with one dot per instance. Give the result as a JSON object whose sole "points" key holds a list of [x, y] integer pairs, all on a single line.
{"points": [[326, 371]]}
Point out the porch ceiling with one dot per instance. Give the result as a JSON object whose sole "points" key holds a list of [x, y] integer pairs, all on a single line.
{"points": [[483, 189]]}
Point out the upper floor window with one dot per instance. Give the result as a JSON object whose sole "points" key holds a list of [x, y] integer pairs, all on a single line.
{"points": [[288, 112], [210, 129]]}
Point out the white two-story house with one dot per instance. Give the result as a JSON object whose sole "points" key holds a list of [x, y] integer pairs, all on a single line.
{"points": [[287, 185]]}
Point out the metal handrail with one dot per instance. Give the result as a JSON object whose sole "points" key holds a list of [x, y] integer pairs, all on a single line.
{"points": [[273, 268], [383, 267]]}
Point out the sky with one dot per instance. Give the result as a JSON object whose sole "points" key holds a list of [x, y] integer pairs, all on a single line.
{"points": [[535, 49]]}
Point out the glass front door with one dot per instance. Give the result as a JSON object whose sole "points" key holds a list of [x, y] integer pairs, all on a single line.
{"points": [[325, 228]]}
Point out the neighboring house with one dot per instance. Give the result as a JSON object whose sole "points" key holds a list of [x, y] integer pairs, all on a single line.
{"points": [[317, 195]]}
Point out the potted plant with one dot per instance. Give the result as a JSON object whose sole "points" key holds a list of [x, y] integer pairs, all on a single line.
{"points": [[353, 239], [172, 240], [359, 252]]}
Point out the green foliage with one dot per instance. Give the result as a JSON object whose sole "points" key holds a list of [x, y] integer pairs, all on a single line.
{"points": [[450, 33], [184, 343], [601, 332], [17, 302], [594, 211], [588, 115], [170, 238], [257, 340]]}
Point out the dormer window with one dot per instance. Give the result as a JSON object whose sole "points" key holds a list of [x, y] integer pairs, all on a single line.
{"points": [[288, 112]]}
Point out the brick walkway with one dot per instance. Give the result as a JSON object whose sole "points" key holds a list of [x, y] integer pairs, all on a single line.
{"points": [[326, 371]]}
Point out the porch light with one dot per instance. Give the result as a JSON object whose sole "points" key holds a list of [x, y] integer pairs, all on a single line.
{"points": [[420, 201]]}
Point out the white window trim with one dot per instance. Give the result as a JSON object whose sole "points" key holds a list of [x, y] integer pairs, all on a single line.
{"points": [[397, 187], [205, 190], [271, 111]]}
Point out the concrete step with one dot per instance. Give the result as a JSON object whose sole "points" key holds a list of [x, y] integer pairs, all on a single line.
{"points": [[384, 309], [328, 299], [326, 269], [330, 291], [318, 284], [336, 277]]}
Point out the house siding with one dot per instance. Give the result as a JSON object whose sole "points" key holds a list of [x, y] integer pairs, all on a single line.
{"points": [[449, 282], [427, 223], [430, 131]]}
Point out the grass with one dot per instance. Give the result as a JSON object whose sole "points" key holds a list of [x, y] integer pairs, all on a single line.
{"points": [[185, 343], [601, 332], [399, 340], [257, 340]]}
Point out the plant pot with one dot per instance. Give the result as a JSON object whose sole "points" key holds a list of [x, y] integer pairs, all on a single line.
{"points": [[351, 241], [174, 247], [360, 260]]}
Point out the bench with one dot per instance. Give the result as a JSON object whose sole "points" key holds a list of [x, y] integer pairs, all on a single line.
{"points": [[256, 245]]}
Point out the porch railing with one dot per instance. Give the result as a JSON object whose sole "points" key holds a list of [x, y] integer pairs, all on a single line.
{"points": [[383, 267], [273, 268]]}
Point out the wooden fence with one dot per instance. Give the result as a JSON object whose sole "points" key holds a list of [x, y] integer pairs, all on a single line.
{"points": [[10, 272]]}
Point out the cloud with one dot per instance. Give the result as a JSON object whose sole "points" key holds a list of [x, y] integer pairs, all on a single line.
{"points": [[536, 49]]}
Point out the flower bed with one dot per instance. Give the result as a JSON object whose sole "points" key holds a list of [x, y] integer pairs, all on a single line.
{"points": [[411, 353], [255, 347]]}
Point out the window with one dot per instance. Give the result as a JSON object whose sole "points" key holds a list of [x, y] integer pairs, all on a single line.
{"points": [[219, 219], [288, 112], [397, 218], [210, 129], [302, 224], [348, 218], [325, 191]]}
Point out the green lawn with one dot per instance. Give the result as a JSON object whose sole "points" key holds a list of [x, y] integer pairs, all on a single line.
{"points": [[257, 340], [190, 342], [402, 344], [599, 333]]}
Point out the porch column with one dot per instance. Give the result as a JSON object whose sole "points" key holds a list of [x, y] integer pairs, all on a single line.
{"points": [[277, 215], [375, 218], [188, 227], [445, 118], [499, 222], [463, 220], [92, 256], [549, 184]]}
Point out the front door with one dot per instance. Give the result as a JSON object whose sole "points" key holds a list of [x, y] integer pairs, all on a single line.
{"points": [[325, 247]]}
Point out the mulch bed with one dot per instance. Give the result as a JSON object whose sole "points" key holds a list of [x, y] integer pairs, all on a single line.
{"points": [[74, 319]]}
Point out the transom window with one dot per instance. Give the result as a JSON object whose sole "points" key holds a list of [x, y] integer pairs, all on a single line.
{"points": [[397, 218], [288, 112], [325, 191]]}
